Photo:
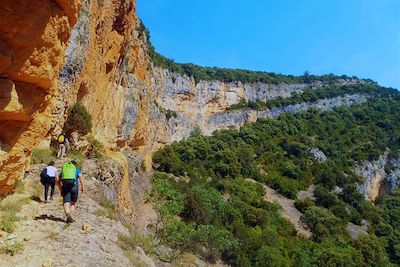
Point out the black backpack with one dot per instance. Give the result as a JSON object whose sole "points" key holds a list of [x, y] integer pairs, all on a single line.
{"points": [[43, 175]]}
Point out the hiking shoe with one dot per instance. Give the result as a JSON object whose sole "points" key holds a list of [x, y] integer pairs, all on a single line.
{"points": [[70, 220], [51, 199]]}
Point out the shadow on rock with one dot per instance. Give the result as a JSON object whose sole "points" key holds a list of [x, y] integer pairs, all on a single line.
{"points": [[49, 217], [36, 198]]}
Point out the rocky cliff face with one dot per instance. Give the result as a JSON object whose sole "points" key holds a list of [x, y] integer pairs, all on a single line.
{"points": [[32, 44], [381, 176]]}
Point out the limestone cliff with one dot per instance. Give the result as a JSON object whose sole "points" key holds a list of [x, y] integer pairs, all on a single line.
{"points": [[32, 44], [381, 176]]}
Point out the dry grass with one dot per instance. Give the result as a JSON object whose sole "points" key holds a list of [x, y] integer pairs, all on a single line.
{"points": [[134, 239], [134, 259], [43, 155], [8, 211], [12, 248], [108, 208]]}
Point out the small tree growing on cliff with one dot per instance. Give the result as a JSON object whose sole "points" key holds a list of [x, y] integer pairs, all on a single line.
{"points": [[79, 120]]}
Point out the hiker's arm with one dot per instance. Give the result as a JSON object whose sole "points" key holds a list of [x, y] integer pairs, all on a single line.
{"points": [[81, 182]]}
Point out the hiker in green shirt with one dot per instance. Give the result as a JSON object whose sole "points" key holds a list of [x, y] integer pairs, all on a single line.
{"points": [[70, 182]]}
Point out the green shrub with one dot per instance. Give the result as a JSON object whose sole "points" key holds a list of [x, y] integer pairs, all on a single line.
{"points": [[303, 205], [134, 239], [43, 155], [95, 149], [371, 250], [108, 210], [78, 120], [322, 223], [9, 210], [324, 197], [7, 222], [11, 247], [78, 156]]}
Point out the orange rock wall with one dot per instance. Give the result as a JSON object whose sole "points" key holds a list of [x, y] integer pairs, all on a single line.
{"points": [[33, 36], [60, 52]]}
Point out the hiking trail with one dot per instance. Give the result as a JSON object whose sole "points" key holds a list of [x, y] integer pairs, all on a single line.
{"points": [[48, 241]]}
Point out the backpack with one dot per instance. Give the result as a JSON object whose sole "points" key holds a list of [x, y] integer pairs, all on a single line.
{"points": [[43, 175], [68, 171], [61, 139]]}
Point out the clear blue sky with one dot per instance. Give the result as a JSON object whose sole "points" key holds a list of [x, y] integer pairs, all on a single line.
{"points": [[353, 37]]}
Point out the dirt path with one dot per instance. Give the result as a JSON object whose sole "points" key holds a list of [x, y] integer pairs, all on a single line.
{"points": [[49, 241], [289, 211]]}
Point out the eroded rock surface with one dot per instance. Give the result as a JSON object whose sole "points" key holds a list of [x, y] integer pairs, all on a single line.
{"points": [[32, 44], [381, 176]]}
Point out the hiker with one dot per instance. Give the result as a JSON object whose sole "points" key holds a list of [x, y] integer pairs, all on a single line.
{"points": [[63, 144], [48, 179], [71, 182]]}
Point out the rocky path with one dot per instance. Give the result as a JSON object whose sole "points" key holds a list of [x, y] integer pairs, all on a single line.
{"points": [[289, 211], [48, 241]]}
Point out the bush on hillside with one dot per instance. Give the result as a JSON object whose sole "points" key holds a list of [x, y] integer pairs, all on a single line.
{"points": [[43, 155], [79, 120]]}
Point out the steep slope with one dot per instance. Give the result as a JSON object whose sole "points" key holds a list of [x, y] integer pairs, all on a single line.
{"points": [[208, 182]]}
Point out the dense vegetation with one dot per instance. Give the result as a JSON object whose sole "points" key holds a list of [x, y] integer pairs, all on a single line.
{"points": [[79, 120], [311, 95], [206, 205], [231, 75]]}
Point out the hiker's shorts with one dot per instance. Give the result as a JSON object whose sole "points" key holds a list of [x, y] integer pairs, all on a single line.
{"points": [[69, 191]]}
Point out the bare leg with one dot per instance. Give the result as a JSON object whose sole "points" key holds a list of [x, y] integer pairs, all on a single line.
{"points": [[63, 151], [72, 207], [67, 208]]}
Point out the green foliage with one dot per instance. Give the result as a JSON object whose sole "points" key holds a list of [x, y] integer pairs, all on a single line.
{"points": [[303, 205], [129, 243], [43, 155], [78, 120], [324, 197], [7, 222], [200, 73], [95, 149], [169, 202], [203, 205], [108, 208], [388, 225], [371, 250], [168, 113], [8, 214], [216, 191], [214, 239], [77, 155], [330, 254], [322, 223]]}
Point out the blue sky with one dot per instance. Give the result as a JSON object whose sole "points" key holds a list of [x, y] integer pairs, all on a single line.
{"points": [[353, 37]]}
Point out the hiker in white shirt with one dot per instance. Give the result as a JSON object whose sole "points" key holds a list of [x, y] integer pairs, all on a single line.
{"points": [[48, 178]]}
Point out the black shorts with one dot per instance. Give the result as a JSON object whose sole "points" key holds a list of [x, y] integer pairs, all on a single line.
{"points": [[48, 180], [69, 191]]}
